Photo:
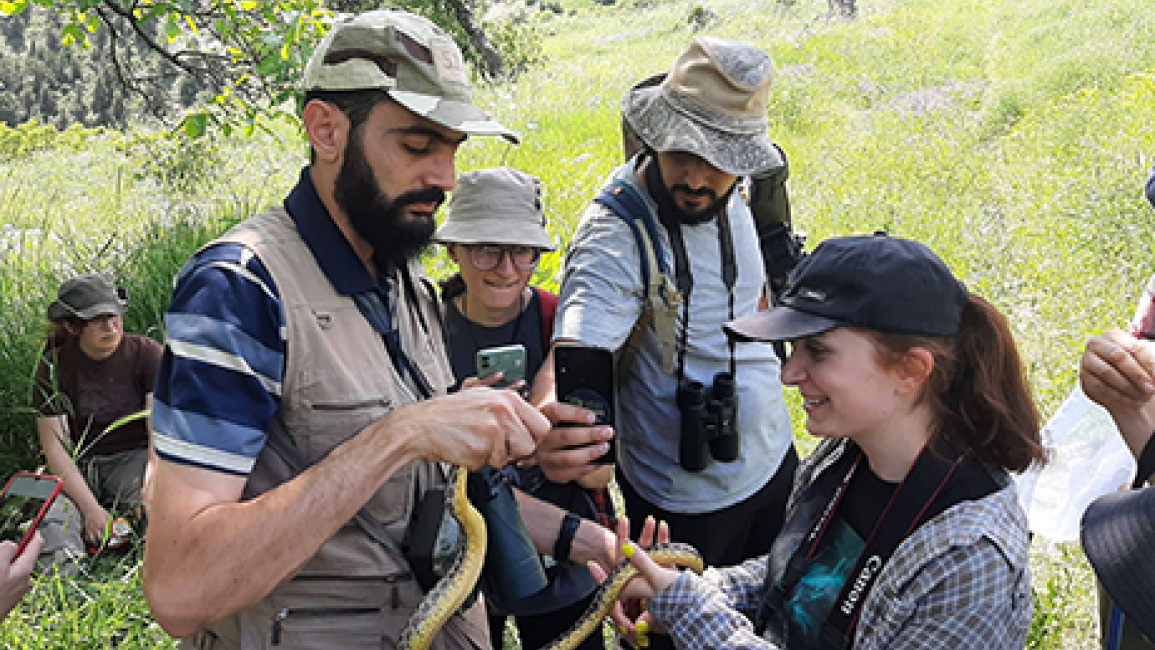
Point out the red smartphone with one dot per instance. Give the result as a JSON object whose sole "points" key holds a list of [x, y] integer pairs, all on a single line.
{"points": [[23, 503]]}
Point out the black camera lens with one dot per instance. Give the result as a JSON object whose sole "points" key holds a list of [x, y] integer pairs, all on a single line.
{"points": [[512, 568]]}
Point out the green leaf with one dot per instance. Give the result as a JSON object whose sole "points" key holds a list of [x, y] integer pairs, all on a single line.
{"points": [[73, 34], [195, 124], [131, 417], [269, 64]]}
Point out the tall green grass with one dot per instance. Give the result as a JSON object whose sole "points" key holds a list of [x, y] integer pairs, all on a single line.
{"points": [[1011, 137]]}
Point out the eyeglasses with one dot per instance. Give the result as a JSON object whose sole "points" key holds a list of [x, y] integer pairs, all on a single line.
{"points": [[487, 257]]}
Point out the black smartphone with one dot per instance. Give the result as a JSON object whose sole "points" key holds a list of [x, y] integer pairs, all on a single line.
{"points": [[23, 503], [509, 360], [584, 377]]}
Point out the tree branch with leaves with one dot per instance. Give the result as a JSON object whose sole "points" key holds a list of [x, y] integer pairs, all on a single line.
{"points": [[251, 54]]}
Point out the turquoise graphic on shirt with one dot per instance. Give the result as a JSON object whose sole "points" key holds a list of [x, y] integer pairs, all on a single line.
{"points": [[824, 577]]}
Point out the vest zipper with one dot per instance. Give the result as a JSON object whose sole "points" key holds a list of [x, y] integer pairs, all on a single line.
{"points": [[382, 402], [313, 612], [392, 579]]}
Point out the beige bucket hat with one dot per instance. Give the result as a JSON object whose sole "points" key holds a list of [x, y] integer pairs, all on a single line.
{"points": [[408, 56], [712, 104], [496, 206]]}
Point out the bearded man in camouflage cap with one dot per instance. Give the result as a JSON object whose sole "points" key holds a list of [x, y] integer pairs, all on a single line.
{"points": [[721, 487], [301, 406]]}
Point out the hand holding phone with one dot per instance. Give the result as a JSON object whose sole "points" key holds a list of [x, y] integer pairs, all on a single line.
{"points": [[23, 504], [509, 360], [584, 377]]}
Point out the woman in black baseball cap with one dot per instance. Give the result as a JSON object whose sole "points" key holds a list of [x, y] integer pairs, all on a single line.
{"points": [[903, 528]]}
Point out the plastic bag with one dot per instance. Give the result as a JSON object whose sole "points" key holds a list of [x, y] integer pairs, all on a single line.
{"points": [[1087, 458]]}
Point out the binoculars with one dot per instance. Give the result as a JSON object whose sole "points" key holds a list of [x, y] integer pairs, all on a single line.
{"points": [[708, 427]]}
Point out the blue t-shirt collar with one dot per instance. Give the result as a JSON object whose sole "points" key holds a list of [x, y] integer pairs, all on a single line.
{"points": [[334, 253]]}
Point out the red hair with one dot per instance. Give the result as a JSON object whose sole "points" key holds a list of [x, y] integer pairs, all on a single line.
{"points": [[978, 389]]}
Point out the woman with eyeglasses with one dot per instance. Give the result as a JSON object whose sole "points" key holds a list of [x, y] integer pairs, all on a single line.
{"points": [[903, 530], [495, 232], [93, 391]]}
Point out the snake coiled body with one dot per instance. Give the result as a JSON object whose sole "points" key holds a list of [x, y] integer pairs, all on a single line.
{"points": [[444, 599], [669, 553], [447, 596]]}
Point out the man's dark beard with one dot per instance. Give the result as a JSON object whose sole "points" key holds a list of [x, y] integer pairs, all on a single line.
{"points": [[378, 219], [668, 209]]}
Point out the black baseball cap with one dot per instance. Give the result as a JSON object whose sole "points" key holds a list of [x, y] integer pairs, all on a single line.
{"points": [[883, 283]]}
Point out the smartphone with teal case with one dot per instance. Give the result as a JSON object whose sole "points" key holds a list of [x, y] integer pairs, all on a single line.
{"points": [[509, 360]]}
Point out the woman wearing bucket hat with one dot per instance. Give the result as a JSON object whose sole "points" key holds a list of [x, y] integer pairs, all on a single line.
{"points": [[90, 376], [495, 232], [903, 529]]}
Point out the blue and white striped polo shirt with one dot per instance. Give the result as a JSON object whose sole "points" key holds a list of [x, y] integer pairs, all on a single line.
{"points": [[219, 383]]}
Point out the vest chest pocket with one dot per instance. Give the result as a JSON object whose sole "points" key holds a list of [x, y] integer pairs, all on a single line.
{"points": [[319, 426], [305, 628], [360, 612]]}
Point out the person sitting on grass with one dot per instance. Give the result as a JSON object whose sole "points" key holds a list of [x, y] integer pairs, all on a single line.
{"points": [[90, 377], [903, 530]]}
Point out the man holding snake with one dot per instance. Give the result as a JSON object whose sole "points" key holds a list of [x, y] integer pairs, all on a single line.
{"points": [[300, 409]]}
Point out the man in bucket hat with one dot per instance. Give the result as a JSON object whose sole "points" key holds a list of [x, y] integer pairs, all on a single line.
{"points": [[300, 407], [1117, 371], [703, 127]]}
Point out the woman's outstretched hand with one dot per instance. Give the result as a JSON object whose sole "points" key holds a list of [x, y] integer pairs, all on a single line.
{"points": [[629, 613]]}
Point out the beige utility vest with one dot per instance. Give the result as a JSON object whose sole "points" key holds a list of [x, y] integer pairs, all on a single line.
{"points": [[353, 593]]}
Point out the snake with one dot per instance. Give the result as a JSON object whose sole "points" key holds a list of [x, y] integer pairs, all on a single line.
{"points": [[448, 595]]}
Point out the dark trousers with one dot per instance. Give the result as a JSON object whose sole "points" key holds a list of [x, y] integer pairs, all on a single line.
{"points": [[539, 630], [725, 537], [1131, 638]]}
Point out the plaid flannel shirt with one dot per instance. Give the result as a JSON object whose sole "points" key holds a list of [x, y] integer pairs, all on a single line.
{"points": [[960, 581]]}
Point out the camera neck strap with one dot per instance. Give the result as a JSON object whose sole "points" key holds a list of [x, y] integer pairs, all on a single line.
{"points": [[933, 484]]}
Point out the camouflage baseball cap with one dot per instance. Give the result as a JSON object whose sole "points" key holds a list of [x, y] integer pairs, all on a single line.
{"points": [[712, 104], [408, 56]]}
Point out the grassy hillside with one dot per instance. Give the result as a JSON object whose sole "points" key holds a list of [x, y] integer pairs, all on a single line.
{"points": [[1011, 137]]}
